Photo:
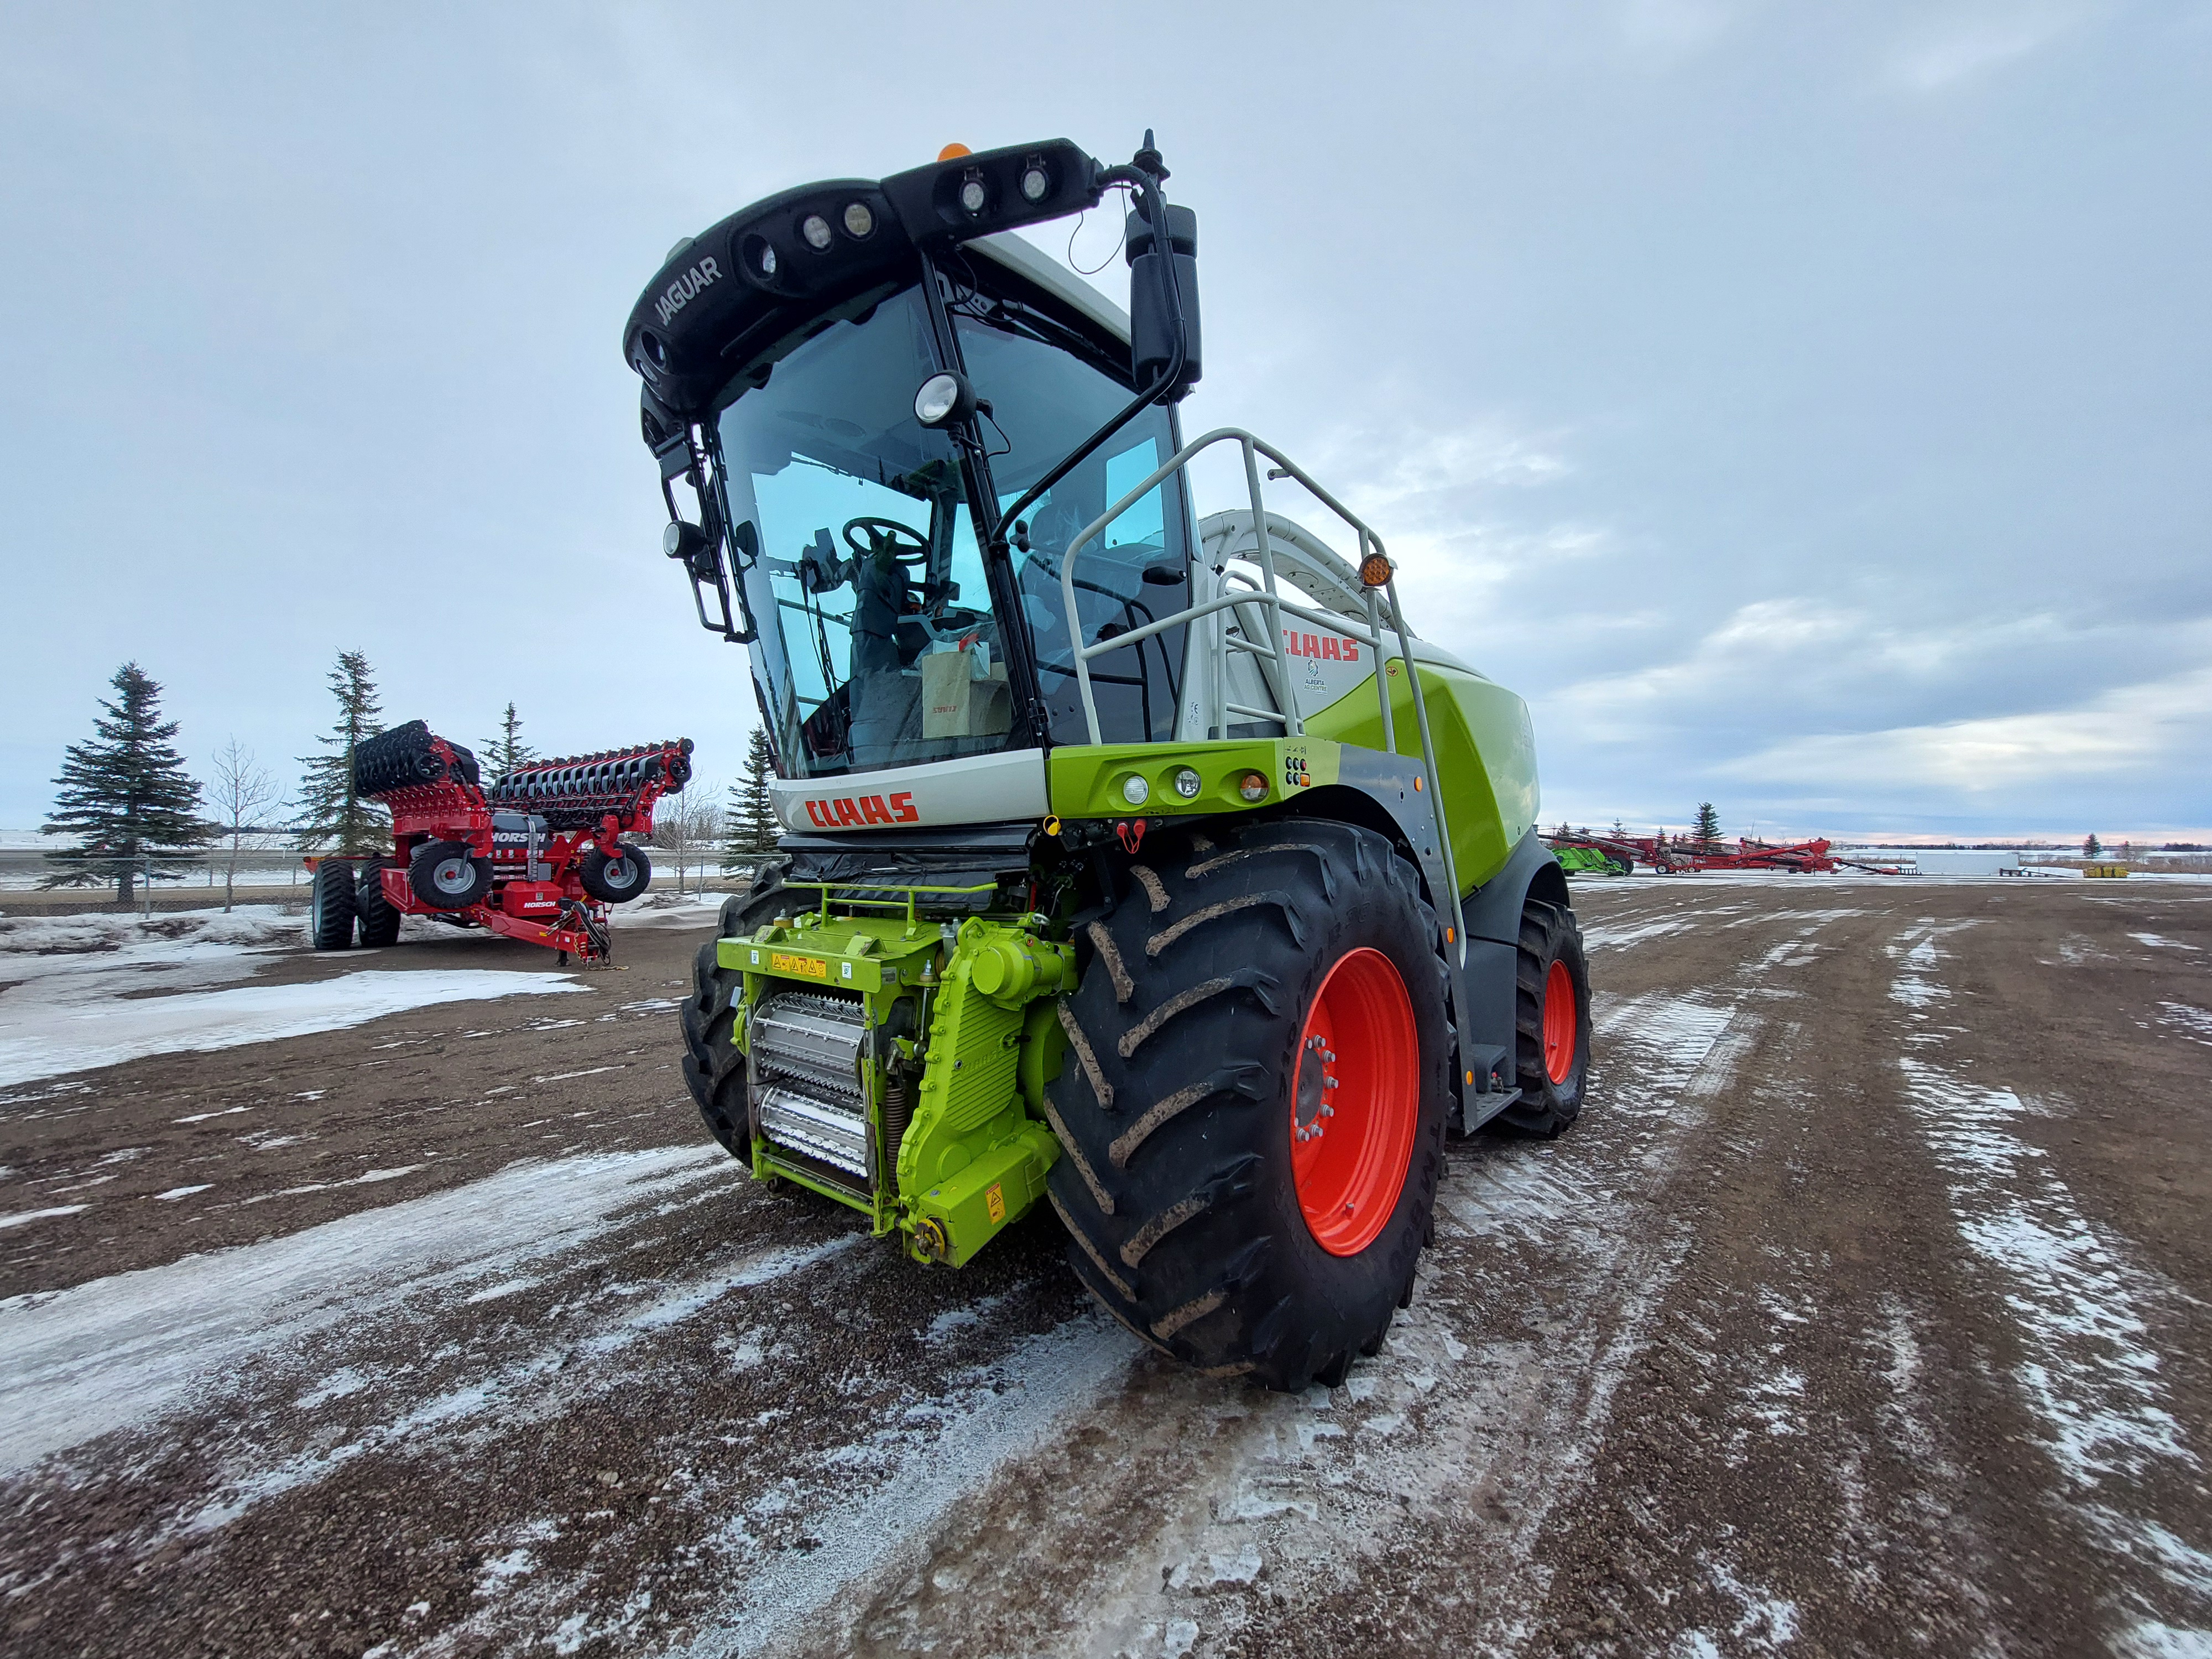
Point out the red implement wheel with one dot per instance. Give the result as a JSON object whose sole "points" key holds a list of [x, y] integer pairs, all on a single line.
{"points": [[1356, 1103]]}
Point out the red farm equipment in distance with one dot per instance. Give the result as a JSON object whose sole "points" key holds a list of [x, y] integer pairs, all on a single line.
{"points": [[1682, 853], [537, 856]]}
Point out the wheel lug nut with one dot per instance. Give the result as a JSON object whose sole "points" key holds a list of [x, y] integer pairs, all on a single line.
{"points": [[1328, 1111]]}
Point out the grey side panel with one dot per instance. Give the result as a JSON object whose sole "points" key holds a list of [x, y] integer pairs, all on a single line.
{"points": [[1494, 930], [1493, 909]]}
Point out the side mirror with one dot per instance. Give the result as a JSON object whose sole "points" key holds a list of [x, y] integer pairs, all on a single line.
{"points": [[1153, 317]]}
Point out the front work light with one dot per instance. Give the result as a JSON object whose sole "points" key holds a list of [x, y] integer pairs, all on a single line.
{"points": [[815, 229], [1135, 790], [1036, 181], [858, 221], [1252, 786], [973, 196], [944, 398], [1187, 783]]}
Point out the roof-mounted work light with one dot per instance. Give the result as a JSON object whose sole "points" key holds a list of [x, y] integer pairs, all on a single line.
{"points": [[969, 195]]}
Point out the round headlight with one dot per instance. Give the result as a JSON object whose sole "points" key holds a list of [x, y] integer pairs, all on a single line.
{"points": [[858, 221], [972, 196], [1034, 183], [938, 396], [1187, 783], [815, 229], [1252, 787], [1135, 790]]}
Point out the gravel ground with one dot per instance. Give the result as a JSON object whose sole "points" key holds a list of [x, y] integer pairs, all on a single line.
{"points": [[1865, 1311]]}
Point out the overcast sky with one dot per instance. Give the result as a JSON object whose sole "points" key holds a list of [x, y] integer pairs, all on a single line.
{"points": [[1805, 408]]}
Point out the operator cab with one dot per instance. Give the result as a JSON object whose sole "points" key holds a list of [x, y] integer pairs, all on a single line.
{"points": [[882, 636]]}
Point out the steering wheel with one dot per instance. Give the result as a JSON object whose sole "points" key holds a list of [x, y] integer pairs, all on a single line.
{"points": [[907, 544]]}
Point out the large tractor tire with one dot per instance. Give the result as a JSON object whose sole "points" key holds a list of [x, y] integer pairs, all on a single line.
{"points": [[615, 880], [713, 1065], [1253, 1104], [379, 915], [447, 876], [330, 907], [1551, 1020]]}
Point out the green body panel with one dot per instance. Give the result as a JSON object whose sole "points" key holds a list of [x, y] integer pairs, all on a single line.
{"points": [[1084, 780], [974, 1156], [988, 1193], [1486, 755]]}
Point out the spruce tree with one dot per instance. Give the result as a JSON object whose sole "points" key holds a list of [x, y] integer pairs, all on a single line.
{"points": [[503, 754], [126, 794], [1708, 829], [333, 817], [750, 820]]}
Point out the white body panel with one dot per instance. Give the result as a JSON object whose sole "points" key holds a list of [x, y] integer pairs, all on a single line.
{"points": [[976, 789]]}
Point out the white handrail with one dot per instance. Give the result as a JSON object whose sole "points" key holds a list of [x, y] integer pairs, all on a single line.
{"points": [[1277, 607]]}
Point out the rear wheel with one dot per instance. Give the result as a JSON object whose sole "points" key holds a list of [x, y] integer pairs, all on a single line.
{"points": [[1551, 1020], [1253, 1105], [447, 876], [616, 878], [331, 906], [379, 917]]}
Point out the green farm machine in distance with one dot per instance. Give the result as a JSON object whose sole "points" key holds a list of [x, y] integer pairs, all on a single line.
{"points": [[1136, 862]]}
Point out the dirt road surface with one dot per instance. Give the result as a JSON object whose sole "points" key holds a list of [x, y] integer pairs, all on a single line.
{"points": [[1865, 1311]]}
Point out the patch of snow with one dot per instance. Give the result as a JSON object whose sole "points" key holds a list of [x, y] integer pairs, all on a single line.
{"points": [[24, 1218], [46, 1035], [167, 936], [1604, 937], [2193, 1023], [121, 1351], [2156, 943], [184, 1192]]}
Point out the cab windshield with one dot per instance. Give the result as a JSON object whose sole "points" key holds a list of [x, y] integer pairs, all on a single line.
{"points": [[879, 645]]}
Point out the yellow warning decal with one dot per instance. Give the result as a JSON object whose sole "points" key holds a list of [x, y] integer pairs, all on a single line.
{"points": [[995, 1202], [812, 967]]}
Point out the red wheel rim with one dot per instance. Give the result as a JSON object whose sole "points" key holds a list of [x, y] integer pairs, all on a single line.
{"points": [[1355, 1101], [1559, 1023]]}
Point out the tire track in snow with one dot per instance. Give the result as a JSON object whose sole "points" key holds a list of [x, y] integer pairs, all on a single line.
{"points": [[1213, 1488], [2090, 1369]]}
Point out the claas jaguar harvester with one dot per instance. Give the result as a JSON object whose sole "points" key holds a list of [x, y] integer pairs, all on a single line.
{"points": [[1137, 862]]}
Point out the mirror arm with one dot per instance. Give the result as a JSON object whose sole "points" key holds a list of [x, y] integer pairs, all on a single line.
{"points": [[1156, 213]]}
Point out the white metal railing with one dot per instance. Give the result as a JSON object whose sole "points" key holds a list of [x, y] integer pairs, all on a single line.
{"points": [[1267, 598]]}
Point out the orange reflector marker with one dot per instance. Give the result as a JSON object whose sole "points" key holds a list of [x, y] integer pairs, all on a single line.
{"points": [[1375, 571], [1470, 1077], [1418, 786], [1452, 936], [953, 152]]}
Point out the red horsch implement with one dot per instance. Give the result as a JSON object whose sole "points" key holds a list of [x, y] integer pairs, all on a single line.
{"points": [[538, 855]]}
